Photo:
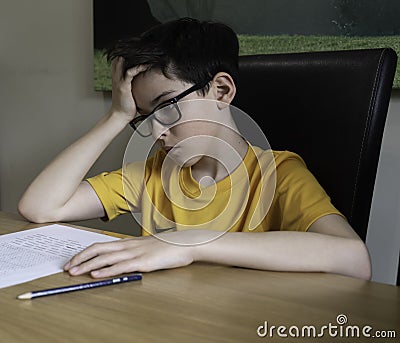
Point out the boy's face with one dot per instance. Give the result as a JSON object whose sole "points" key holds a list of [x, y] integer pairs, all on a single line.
{"points": [[188, 138]]}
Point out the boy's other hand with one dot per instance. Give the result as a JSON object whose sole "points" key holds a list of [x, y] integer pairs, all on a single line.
{"points": [[142, 254], [123, 105]]}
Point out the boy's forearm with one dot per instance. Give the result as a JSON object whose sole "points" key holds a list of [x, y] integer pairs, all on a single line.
{"points": [[55, 185], [288, 251]]}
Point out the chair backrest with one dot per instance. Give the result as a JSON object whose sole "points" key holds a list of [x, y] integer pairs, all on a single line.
{"points": [[330, 108], [398, 272]]}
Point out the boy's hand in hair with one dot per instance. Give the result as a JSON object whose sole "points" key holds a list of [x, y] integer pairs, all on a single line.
{"points": [[123, 105]]}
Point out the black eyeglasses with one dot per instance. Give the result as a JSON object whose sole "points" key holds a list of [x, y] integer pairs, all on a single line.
{"points": [[166, 113]]}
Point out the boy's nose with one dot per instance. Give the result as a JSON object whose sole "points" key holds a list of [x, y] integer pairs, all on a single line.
{"points": [[158, 129]]}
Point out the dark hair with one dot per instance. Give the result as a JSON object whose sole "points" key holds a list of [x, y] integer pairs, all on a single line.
{"points": [[187, 49]]}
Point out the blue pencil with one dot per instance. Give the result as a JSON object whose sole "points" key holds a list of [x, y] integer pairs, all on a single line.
{"points": [[72, 288]]}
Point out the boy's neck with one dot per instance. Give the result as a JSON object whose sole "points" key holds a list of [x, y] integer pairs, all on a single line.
{"points": [[223, 162]]}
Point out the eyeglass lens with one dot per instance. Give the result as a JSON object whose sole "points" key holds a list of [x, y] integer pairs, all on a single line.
{"points": [[166, 115]]}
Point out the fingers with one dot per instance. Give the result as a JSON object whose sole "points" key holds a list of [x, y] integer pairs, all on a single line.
{"points": [[117, 70], [75, 265], [108, 259], [143, 254], [112, 262], [133, 72], [122, 97], [117, 269]]}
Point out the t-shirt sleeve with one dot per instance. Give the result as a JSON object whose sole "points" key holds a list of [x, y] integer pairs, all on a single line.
{"points": [[117, 194], [301, 199], [109, 189]]}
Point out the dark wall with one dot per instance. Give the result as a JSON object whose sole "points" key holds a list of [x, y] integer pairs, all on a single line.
{"points": [[114, 19]]}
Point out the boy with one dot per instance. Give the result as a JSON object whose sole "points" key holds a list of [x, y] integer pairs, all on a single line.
{"points": [[171, 65]]}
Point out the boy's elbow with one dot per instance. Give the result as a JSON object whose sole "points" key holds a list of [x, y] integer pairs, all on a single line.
{"points": [[362, 266], [32, 213], [366, 270], [23, 210], [354, 260]]}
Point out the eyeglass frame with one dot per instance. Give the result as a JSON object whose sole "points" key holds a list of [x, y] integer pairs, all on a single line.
{"points": [[173, 101]]}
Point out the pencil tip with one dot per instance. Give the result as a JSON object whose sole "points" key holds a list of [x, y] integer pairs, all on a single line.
{"points": [[24, 296]]}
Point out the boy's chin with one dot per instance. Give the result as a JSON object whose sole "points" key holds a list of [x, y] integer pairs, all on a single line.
{"points": [[187, 162]]}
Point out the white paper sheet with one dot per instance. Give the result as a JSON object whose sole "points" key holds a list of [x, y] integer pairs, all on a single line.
{"points": [[31, 254]]}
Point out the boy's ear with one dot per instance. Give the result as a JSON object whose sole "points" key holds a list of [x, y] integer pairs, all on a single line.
{"points": [[223, 87]]}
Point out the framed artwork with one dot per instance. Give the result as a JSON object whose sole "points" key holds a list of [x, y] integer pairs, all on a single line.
{"points": [[263, 26]]}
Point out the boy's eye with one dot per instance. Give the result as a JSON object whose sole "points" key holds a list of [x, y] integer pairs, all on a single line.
{"points": [[161, 106]]}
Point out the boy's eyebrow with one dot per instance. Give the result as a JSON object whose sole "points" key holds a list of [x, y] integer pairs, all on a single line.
{"points": [[156, 99], [154, 102]]}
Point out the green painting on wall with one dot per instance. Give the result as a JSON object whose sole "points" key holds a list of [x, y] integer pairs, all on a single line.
{"points": [[263, 26]]}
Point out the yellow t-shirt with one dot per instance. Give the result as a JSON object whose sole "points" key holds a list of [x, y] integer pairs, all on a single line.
{"points": [[270, 190]]}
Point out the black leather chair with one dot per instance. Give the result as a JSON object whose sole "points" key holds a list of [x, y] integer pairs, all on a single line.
{"points": [[398, 272], [330, 108]]}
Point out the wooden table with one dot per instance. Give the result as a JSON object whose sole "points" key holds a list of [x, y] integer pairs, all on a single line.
{"points": [[199, 303]]}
